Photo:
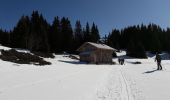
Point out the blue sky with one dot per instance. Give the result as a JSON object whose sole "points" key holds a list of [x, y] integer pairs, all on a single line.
{"points": [[107, 14]]}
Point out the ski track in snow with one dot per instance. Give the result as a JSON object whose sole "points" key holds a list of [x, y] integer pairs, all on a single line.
{"points": [[118, 87], [127, 94]]}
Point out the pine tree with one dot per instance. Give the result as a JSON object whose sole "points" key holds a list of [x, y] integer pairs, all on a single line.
{"points": [[20, 34], [38, 40], [55, 36], [78, 34], [136, 50], [4, 38], [87, 33], [114, 39], [140, 51], [130, 51], [94, 34], [66, 35]]}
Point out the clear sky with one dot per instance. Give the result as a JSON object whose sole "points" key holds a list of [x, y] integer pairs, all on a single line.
{"points": [[107, 14]]}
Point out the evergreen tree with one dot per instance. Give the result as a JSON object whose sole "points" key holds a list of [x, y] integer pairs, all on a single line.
{"points": [[140, 51], [20, 35], [94, 34], [55, 36], [130, 51], [114, 39], [135, 50], [87, 33], [38, 39], [66, 35], [151, 36], [4, 38], [78, 35]]}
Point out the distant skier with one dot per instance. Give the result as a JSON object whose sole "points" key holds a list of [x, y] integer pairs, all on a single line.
{"points": [[158, 60]]}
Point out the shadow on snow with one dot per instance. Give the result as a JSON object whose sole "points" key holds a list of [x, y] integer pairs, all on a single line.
{"points": [[73, 62], [147, 72]]}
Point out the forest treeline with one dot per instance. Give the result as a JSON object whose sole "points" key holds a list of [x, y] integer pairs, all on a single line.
{"points": [[36, 34], [140, 38]]}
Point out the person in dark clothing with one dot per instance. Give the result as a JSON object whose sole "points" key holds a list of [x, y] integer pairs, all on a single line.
{"points": [[158, 60], [121, 61]]}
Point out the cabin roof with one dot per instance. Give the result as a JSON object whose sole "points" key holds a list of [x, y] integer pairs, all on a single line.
{"points": [[101, 46], [97, 45]]}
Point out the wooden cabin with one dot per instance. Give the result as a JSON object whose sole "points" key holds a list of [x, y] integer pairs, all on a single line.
{"points": [[96, 53]]}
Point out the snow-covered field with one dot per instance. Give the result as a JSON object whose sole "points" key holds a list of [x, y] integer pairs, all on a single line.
{"points": [[67, 79]]}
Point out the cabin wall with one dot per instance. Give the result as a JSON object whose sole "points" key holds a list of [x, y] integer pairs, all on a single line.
{"points": [[104, 56], [96, 55], [85, 58], [99, 56]]}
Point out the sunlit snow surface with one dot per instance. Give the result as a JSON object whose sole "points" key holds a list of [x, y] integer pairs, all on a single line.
{"points": [[68, 79]]}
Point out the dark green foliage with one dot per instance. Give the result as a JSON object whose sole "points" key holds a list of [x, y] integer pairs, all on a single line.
{"points": [[55, 36], [44, 55], [91, 34], [140, 51], [136, 50], [66, 35], [94, 35], [37, 35], [131, 49], [78, 35], [114, 39], [140, 38], [31, 33], [86, 33], [4, 38], [19, 37], [38, 38], [22, 58], [114, 54]]}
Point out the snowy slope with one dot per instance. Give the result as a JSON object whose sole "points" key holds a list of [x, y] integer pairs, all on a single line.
{"points": [[61, 81], [152, 84], [67, 79]]}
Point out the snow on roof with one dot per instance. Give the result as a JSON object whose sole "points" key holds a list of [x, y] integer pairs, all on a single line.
{"points": [[4, 48], [101, 46]]}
